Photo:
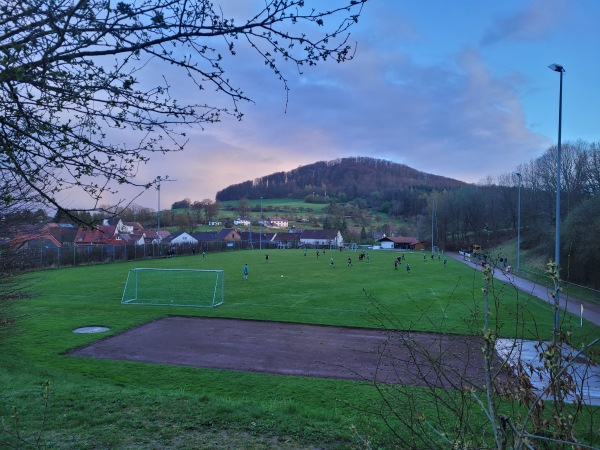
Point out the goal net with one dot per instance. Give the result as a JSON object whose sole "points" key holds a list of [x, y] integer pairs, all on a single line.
{"points": [[174, 287]]}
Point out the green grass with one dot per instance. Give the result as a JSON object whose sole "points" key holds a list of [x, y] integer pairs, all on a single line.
{"points": [[119, 404]]}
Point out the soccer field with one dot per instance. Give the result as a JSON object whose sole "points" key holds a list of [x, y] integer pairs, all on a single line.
{"points": [[292, 287]]}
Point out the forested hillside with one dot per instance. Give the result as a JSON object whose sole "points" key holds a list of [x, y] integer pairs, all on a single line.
{"points": [[342, 180]]}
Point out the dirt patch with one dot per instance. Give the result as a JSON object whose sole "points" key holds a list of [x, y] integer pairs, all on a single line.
{"points": [[298, 349]]}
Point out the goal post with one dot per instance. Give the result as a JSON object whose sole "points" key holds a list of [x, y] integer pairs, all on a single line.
{"points": [[174, 287]]}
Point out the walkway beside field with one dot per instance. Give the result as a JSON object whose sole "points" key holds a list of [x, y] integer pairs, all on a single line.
{"points": [[591, 311], [585, 375]]}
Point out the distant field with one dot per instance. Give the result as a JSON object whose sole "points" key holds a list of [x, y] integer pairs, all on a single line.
{"points": [[103, 403]]}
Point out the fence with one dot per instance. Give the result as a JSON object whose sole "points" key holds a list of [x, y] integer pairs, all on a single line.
{"points": [[76, 255], [569, 289]]}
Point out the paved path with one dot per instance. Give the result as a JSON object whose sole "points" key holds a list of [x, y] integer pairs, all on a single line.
{"points": [[585, 375], [591, 311]]}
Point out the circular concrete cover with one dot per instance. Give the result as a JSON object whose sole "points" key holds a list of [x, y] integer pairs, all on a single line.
{"points": [[91, 330]]}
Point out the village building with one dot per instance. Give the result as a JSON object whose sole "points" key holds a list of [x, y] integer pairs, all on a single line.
{"points": [[401, 243]]}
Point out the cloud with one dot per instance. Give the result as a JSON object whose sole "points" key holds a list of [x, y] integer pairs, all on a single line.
{"points": [[453, 117], [535, 22]]}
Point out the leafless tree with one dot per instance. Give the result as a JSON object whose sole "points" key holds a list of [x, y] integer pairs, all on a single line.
{"points": [[87, 86], [468, 396]]}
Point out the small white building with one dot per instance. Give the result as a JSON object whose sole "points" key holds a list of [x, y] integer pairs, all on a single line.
{"points": [[244, 221], [321, 238], [278, 222]]}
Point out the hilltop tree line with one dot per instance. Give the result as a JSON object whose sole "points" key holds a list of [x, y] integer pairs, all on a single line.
{"points": [[341, 180]]}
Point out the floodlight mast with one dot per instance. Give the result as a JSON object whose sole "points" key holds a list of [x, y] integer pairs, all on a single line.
{"points": [[260, 225], [432, 219], [560, 69], [158, 213], [518, 175]]}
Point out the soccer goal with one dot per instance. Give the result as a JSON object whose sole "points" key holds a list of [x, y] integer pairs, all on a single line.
{"points": [[174, 287]]}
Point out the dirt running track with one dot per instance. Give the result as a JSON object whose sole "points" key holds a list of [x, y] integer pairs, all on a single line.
{"points": [[298, 349]]}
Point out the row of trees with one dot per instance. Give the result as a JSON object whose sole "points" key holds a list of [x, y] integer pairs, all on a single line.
{"points": [[477, 212]]}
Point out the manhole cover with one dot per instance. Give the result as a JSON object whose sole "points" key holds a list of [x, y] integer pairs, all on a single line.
{"points": [[91, 330]]}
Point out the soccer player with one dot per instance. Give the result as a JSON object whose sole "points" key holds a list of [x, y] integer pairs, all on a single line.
{"points": [[245, 271], [331, 262], [408, 268]]}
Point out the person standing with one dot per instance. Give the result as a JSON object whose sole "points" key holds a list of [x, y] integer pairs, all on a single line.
{"points": [[331, 263], [408, 268], [245, 271], [349, 262]]}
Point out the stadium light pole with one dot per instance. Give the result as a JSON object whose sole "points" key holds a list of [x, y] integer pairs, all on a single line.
{"points": [[432, 216], [518, 174], [260, 224], [158, 213], [560, 69]]}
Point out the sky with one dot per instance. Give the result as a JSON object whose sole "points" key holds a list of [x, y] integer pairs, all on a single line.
{"points": [[460, 89]]}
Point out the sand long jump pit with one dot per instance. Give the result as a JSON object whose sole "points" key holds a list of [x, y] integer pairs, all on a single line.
{"points": [[298, 349]]}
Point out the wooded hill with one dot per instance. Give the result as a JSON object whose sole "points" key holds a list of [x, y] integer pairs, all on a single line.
{"points": [[340, 180]]}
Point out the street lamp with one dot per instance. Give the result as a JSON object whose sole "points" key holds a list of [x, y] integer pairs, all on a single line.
{"points": [[158, 214], [560, 69], [519, 225], [432, 220], [260, 223]]}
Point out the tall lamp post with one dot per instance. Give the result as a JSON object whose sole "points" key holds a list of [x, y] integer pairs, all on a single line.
{"points": [[560, 69], [158, 214], [260, 223], [519, 225], [432, 221]]}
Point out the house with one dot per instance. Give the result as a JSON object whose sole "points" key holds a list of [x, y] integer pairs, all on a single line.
{"points": [[151, 237], [244, 221], [135, 227], [62, 232], [95, 236], [137, 238], [401, 242], [320, 238], [278, 222], [287, 240], [120, 239], [180, 238], [24, 241], [204, 236], [228, 235]]}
